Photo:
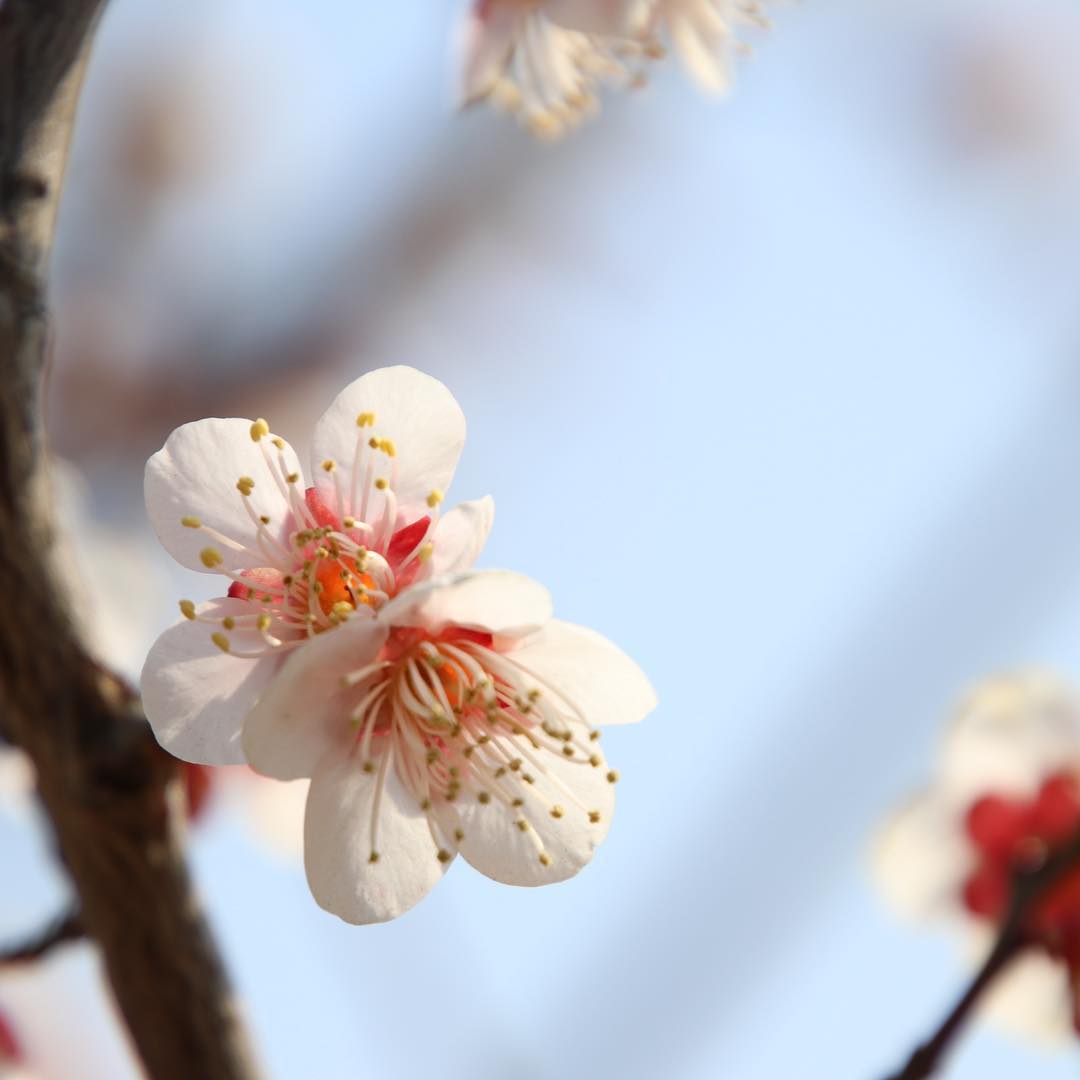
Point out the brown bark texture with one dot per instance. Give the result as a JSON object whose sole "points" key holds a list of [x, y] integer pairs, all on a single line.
{"points": [[111, 793]]}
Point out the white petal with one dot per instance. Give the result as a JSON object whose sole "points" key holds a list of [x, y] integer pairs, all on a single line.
{"points": [[496, 845], [488, 40], [304, 712], [1032, 998], [460, 536], [194, 475], [416, 412], [606, 17], [338, 843], [589, 671], [1009, 735], [920, 859], [494, 601], [195, 696]]}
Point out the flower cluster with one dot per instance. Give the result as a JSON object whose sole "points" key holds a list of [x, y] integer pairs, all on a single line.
{"points": [[437, 709], [543, 60], [1007, 795]]}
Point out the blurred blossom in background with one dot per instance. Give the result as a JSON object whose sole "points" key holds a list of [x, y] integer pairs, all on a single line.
{"points": [[782, 395]]}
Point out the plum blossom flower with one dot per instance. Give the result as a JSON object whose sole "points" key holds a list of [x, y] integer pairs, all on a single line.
{"points": [[1007, 793], [435, 709], [545, 60]]}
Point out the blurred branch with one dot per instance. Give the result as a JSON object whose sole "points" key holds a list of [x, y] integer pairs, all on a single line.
{"points": [[111, 793], [1029, 887], [67, 928]]}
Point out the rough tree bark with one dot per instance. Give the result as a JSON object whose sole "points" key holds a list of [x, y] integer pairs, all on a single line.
{"points": [[111, 793]]}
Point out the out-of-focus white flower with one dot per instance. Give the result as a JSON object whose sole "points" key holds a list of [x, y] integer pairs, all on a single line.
{"points": [[111, 581], [1007, 791], [434, 710], [545, 60]]}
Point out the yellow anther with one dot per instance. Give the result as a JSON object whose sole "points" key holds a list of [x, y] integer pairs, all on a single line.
{"points": [[263, 622], [425, 551], [264, 518], [434, 498], [191, 522], [522, 825], [369, 766], [287, 580], [444, 855], [328, 465], [365, 419], [293, 477], [342, 609], [459, 835], [210, 557], [527, 778], [594, 816], [228, 622], [518, 802], [220, 640], [381, 484], [425, 805], [594, 735], [187, 609], [373, 857], [387, 447], [612, 777], [484, 797], [545, 858], [373, 443], [568, 751], [349, 522], [534, 694], [515, 764], [244, 485], [594, 761], [259, 429], [279, 443], [557, 811]]}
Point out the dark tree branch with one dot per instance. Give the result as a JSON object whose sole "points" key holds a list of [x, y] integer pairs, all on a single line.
{"points": [[111, 793], [67, 928], [1029, 887]]}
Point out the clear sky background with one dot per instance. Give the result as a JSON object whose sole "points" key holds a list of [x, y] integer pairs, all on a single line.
{"points": [[781, 394]]}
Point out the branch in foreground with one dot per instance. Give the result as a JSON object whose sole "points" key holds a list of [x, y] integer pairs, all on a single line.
{"points": [[67, 928], [1029, 887], [110, 791]]}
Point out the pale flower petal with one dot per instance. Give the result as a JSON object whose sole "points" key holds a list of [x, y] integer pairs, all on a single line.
{"points": [[460, 535], [304, 712], [920, 859], [493, 601], [195, 696], [415, 413], [490, 32], [1009, 734], [194, 477], [344, 829], [566, 813], [606, 17], [588, 671]]}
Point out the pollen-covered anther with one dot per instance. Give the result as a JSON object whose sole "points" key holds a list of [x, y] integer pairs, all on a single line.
{"points": [[245, 485], [293, 478], [187, 609], [612, 777], [349, 522], [191, 522], [381, 484], [210, 557], [483, 797], [368, 766], [444, 856], [425, 552], [522, 824], [329, 465], [434, 498], [228, 622], [594, 816], [365, 419], [459, 835], [220, 640], [373, 857], [259, 429], [545, 858], [263, 622], [595, 761], [557, 811]]}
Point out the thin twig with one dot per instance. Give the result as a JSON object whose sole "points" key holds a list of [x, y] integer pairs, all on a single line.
{"points": [[67, 928], [1029, 887]]}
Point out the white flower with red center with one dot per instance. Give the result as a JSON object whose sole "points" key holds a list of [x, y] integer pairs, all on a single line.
{"points": [[434, 709], [1007, 795], [544, 60]]}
